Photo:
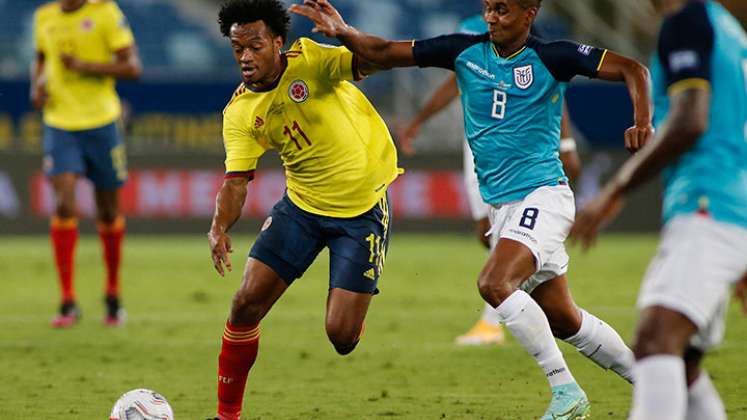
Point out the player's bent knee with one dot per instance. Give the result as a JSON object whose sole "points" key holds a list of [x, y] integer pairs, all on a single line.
{"points": [[494, 289], [245, 310], [344, 340], [652, 340]]}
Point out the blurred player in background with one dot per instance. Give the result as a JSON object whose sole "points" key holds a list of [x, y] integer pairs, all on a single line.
{"points": [[82, 47], [488, 329], [512, 87], [700, 87], [339, 160]]}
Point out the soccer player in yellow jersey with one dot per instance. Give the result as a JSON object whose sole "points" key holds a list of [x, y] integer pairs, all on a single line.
{"points": [[339, 159], [81, 48]]}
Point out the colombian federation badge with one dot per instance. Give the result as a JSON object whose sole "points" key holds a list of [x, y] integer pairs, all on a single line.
{"points": [[298, 91], [523, 76]]}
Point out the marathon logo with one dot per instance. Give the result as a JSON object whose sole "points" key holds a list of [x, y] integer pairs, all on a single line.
{"points": [[480, 70]]}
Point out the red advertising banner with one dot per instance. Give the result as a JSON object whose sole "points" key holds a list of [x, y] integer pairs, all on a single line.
{"points": [[190, 193]]}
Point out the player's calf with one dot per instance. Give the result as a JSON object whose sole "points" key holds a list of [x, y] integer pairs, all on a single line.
{"points": [[662, 331]]}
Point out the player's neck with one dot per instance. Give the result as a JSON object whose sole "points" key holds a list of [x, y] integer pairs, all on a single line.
{"points": [[511, 47], [69, 6], [271, 80]]}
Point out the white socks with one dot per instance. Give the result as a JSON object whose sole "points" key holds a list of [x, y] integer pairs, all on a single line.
{"points": [[660, 390], [528, 324], [603, 345], [491, 315], [703, 401]]}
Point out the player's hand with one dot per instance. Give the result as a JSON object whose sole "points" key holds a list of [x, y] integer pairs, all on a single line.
{"points": [[482, 229], [638, 136], [39, 94], [327, 20], [597, 214], [220, 248], [72, 63], [406, 136], [740, 292]]}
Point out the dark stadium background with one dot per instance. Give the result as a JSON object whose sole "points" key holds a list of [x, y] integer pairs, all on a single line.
{"points": [[172, 119]]}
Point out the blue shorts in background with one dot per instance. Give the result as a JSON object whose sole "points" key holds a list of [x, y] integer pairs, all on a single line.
{"points": [[98, 154], [291, 239]]}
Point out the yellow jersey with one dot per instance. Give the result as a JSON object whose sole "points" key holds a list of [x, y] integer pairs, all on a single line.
{"points": [[338, 154], [92, 33]]}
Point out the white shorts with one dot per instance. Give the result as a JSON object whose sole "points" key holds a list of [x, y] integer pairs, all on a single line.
{"points": [[540, 222], [478, 208], [698, 261]]}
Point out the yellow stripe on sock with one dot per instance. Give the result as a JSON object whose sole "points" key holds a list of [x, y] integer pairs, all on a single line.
{"points": [[64, 223]]}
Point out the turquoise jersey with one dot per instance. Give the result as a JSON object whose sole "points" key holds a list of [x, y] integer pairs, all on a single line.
{"points": [[704, 45], [512, 106]]}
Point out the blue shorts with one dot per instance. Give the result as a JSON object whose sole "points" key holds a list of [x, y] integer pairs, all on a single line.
{"points": [[291, 238], [98, 154]]}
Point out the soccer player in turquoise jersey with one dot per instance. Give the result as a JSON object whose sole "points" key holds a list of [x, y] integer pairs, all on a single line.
{"points": [[488, 329], [700, 87], [512, 87]]}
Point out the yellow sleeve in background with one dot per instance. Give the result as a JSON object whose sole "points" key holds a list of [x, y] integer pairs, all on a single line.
{"points": [[117, 32]]}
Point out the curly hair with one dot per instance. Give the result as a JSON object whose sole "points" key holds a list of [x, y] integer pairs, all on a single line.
{"points": [[272, 12]]}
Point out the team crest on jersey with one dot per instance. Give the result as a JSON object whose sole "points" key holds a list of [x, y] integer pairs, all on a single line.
{"points": [[298, 91], [524, 76], [86, 25]]}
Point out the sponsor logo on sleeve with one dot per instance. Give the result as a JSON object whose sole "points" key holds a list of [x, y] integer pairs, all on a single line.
{"points": [[585, 49], [683, 60]]}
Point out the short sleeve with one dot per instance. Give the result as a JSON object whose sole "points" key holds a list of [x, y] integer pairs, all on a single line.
{"points": [[685, 48], [242, 149], [443, 51], [117, 32], [40, 42], [567, 59], [333, 63]]}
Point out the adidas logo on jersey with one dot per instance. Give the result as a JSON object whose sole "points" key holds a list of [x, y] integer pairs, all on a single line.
{"points": [[259, 122], [370, 274]]}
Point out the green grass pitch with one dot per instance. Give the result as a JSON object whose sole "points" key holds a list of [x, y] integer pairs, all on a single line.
{"points": [[405, 368]]}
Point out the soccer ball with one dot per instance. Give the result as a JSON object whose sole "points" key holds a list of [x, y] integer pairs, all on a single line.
{"points": [[142, 404]]}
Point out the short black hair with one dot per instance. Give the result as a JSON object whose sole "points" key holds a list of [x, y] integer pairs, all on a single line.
{"points": [[530, 3], [272, 12]]}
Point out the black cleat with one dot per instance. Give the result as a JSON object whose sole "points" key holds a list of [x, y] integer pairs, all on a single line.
{"points": [[115, 314], [69, 315]]}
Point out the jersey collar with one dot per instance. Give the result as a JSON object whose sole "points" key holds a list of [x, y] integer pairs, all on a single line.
{"points": [[284, 63], [510, 57]]}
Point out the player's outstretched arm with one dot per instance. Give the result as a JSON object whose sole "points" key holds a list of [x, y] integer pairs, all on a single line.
{"points": [[228, 205], [383, 53], [636, 76], [126, 65], [441, 98], [687, 121]]}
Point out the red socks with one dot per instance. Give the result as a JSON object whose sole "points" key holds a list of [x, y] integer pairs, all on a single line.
{"points": [[64, 236], [111, 241], [238, 353]]}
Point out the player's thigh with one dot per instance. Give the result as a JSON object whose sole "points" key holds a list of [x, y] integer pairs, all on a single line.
{"points": [[105, 157], [346, 312], [260, 288], [698, 261], [289, 241], [63, 152], [510, 263], [358, 249]]}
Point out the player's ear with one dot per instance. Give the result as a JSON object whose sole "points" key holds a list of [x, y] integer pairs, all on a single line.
{"points": [[278, 41]]}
